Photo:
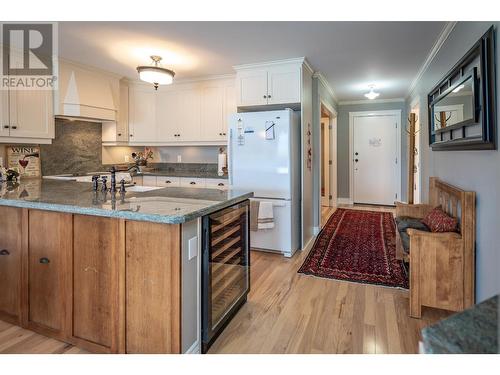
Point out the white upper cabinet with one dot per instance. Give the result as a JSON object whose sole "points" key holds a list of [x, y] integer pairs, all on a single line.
{"points": [[283, 84], [4, 114], [142, 115], [194, 113], [271, 83], [252, 87], [31, 114]]}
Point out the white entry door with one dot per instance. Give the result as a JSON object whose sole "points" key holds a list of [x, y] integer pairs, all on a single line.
{"points": [[375, 159]]}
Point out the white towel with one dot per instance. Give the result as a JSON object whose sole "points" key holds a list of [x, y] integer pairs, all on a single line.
{"points": [[266, 215], [222, 163]]}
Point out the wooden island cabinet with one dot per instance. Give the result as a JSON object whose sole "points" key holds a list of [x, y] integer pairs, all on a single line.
{"points": [[103, 284]]}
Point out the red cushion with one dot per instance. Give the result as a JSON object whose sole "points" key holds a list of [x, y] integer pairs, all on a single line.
{"points": [[439, 221]]}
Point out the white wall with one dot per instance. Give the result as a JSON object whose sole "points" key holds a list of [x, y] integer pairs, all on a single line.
{"points": [[478, 171]]}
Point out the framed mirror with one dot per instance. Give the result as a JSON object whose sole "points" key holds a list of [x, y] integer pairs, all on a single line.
{"points": [[462, 108]]}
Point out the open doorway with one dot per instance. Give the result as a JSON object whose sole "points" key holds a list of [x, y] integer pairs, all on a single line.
{"points": [[328, 164]]}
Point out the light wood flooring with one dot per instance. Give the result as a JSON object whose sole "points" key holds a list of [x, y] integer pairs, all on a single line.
{"points": [[289, 312]]}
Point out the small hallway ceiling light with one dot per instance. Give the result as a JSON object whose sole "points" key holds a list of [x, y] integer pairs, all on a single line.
{"points": [[372, 94], [155, 74]]}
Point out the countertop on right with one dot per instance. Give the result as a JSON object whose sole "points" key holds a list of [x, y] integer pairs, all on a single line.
{"points": [[473, 331]]}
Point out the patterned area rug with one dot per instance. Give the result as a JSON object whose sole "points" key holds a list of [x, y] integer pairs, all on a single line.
{"points": [[357, 246]]}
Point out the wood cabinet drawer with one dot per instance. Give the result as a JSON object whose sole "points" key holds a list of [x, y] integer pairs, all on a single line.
{"points": [[192, 182], [165, 181], [217, 183]]}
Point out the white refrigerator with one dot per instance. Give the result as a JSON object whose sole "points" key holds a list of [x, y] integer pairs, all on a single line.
{"points": [[264, 157]]}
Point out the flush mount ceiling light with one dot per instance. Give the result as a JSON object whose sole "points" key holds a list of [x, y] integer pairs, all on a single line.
{"points": [[372, 94], [155, 74]]}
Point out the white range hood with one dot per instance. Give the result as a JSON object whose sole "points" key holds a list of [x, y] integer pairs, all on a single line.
{"points": [[86, 93]]}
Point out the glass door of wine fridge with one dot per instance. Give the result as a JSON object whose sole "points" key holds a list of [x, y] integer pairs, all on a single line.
{"points": [[226, 268]]}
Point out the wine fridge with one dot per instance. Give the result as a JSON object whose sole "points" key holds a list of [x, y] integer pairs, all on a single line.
{"points": [[225, 268]]}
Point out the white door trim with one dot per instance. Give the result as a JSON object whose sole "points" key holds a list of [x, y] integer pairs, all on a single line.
{"points": [[352, 115], [416, 104]]}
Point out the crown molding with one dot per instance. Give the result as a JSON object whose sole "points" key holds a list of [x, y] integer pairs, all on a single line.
{"points": [[374, 101], [297, 60], [321, 78], [445, 33]]}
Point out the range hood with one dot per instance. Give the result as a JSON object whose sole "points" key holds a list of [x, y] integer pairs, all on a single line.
{"points": [[86, 94]]}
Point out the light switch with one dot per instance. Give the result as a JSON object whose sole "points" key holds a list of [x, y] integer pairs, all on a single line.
{"points": [[179, 158], [193, 248]]}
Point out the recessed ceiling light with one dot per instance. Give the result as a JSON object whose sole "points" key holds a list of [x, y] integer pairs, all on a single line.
{"points": [[155, 74], [372, 94]]}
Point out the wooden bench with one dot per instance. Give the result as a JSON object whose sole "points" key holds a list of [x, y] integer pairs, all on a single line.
{"points": [[441, 264]]}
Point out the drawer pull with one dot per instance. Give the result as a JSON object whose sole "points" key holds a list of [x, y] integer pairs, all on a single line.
{"points": [[14, 127], [193, 183], [168, 182], [220, 184], [4, 252], [6, 126], [44, 260]]}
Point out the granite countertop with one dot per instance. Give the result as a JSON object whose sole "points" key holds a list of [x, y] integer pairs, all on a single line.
{"points": [[474, 330], [169, 205]]}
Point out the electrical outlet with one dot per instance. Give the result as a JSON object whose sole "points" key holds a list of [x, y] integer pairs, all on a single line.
{"points": [[193, 248], [127, 158], [179, 158]]}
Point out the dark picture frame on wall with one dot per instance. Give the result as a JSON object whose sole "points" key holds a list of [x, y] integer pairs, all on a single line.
{"points": [[462, 106]]}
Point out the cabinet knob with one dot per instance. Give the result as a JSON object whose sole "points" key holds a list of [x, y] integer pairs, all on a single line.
{"points": [[223, 133], [14, 127], [44, 260], [131, 135], [119, 134], [269, 96], [4, 252], [6, 126], [265, 96]]}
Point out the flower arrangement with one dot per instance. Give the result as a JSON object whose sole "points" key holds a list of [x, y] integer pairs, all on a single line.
{"points": [[141, 158]]}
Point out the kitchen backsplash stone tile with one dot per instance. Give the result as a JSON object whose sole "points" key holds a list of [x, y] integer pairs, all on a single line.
{"points": [[75, 149]]}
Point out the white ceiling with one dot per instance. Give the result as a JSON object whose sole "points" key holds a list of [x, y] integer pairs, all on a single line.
{"points": [[351, 55]]}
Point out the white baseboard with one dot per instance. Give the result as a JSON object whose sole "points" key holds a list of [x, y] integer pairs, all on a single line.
{"points": [[316, 230], [344, 201], [195, 348], [309, 243]]}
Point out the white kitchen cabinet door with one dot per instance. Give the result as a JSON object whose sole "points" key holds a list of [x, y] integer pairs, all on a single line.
{"points": [[251, 87], [4, 113], [168, 115], [230, 107], [212, 113], [283, 84], [190, 115], [31, 114], [142, 115], [122, 123]]}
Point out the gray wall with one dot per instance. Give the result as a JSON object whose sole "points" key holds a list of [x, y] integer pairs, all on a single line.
{"points": [[320, 94], [478, 171], [343, 143]]}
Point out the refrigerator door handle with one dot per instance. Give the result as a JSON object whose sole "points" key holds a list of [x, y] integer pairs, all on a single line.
{"points": [[230, 156]]}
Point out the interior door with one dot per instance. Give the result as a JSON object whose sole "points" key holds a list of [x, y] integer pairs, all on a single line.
{"points": [[375, 159], [325, 161]]}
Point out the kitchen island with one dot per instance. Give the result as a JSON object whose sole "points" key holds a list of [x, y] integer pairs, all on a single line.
{"points": [[111, 273]]}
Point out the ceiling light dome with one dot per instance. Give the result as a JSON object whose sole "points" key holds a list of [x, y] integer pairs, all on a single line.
{"points": [[372, 94], [155, 74]]}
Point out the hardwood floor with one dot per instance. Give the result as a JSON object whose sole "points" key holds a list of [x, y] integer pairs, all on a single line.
{"points": [[289, 312]]}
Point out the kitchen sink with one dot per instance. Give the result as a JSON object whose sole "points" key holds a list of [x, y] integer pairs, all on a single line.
{"points": [[141, 189]]}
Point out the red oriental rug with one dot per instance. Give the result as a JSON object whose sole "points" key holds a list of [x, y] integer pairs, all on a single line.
{"points": [[357, 246]]}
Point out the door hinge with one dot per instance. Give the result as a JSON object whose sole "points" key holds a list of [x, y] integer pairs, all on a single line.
{"points": [[396, 195], [396, 160], [396, 125], [330, 162]]}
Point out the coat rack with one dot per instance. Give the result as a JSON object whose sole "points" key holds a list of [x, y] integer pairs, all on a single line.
{"points": [[411, 155]]}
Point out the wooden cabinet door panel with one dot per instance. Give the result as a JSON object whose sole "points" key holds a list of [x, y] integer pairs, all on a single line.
{"points": [[10, 264], [153, 293], [97, 245], [49, 271]]}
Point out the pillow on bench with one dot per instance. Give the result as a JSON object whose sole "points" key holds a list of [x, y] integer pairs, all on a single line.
{"points": [[439, 221], [403, 223]]}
